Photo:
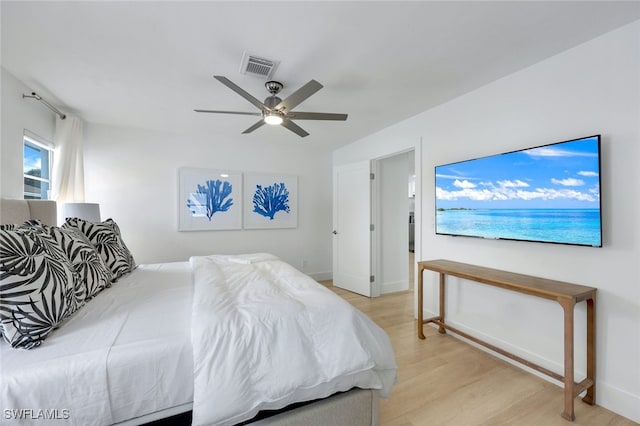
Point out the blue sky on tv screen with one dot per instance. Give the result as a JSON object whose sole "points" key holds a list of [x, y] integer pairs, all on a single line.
{"points": [[558, 176]]}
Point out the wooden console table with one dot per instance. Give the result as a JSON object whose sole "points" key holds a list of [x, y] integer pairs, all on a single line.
{"points": [[566, 294]]}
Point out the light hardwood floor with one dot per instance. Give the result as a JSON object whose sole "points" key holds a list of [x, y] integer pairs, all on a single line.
{"points": [[443, 381]]}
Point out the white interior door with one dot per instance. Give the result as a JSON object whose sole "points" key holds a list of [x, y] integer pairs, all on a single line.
{"points": [[351, 232]]}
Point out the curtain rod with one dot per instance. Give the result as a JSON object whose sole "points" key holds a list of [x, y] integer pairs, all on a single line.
{"points": [[35, 96]]}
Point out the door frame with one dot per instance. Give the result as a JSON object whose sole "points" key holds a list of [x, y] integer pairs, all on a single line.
{"points": [[376, 245], [418, 217], [375, 248]]}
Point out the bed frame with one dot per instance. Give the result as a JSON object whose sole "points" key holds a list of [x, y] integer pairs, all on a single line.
{"points": [[357, 407]]}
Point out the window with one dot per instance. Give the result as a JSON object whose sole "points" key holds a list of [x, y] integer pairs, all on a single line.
{"points": [[36, 166]]}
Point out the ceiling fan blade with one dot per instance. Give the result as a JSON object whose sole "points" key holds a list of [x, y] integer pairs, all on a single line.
{"points": [[299, 95], [316, 116], [231, 85], [227, 112], [294, 128], [255, 126]]}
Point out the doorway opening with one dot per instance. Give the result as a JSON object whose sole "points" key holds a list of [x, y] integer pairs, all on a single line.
{"points": [[393, 208], [372, 224]]}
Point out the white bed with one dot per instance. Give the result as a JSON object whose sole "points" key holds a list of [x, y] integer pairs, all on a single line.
{"points": [[128, 356]]}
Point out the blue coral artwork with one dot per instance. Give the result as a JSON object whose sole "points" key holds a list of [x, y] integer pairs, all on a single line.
{"points": [[271, 201], [209, 199], [214, 196]]}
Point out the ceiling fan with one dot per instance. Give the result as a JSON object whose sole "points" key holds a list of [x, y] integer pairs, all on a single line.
{"points": [[276, 111]]}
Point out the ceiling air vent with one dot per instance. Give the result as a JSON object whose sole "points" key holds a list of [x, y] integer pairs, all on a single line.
{"points": [[258, 66]]}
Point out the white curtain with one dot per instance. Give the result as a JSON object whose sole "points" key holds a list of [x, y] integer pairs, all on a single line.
{"points": [[68, 163]]}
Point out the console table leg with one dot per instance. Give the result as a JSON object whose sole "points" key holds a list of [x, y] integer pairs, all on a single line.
{"points": [[441, 329], [567, 307], [420, 303], [590, 397]]}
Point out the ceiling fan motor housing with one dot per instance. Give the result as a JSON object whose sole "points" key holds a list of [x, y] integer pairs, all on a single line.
{"points": [[272, 101]]}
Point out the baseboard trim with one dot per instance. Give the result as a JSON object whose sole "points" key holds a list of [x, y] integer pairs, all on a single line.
{"points": [[321, 276], [618, 401], [393, 287]]}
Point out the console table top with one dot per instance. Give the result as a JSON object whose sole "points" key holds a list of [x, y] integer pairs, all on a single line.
{"points": [[535, 286]]}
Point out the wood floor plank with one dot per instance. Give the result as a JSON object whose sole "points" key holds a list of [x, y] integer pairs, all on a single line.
{"points": [[444, 381]]}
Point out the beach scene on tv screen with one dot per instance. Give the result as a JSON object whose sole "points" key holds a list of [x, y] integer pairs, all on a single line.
{"points": [[549, 194]]}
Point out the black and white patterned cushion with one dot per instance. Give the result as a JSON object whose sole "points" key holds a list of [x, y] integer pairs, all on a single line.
{"points": [[106, 238], [94, 274], [37, 285]]}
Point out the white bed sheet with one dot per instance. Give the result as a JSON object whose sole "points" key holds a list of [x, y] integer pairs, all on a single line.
{"points": [[87, 370]]}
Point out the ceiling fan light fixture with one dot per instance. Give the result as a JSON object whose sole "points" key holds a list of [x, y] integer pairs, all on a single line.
{"points": [[275, 111], [273, 119]]}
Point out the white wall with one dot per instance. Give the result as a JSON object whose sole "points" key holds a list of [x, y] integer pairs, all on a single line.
{"points": [[133, 174], [590, 89], [18, 115], [392, 176]]}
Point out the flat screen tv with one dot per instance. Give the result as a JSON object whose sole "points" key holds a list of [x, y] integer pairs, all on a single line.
{"points": [[548, 193]]}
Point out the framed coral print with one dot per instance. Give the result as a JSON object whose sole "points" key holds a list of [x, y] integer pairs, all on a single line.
{"points": [[209, 200], [270, 200]]}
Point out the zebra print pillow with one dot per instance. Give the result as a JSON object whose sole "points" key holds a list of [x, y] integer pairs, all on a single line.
{"points": [[106, 238], [94, 275], [37, 286]]}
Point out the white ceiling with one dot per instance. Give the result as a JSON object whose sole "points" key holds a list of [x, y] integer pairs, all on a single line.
{"points": [[149, 64]]}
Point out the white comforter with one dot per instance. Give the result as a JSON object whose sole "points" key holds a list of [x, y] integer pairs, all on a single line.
{"points": [[265, 335]]}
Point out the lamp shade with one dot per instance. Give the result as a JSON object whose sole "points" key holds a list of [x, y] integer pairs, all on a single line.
{"points": [[87, 211]]}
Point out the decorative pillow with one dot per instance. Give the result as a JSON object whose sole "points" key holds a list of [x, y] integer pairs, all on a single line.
{"points": [[94, 275], [106, 238], [28, 224], [37, 286], [81, 285]]}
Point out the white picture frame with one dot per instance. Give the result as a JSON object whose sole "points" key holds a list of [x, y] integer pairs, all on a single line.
{"points": [[270, 201], [209, 199]]}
